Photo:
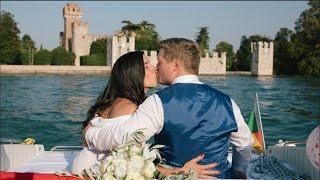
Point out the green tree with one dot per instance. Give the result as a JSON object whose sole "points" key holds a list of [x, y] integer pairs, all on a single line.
{"points": [[25, 56], [9, 39], [27, 50], [310, 66], [129, 26], [231, 57], [244, 55], [42, 57], [62, 57], [147, 38], [306, 40], [28, 42], [202, 38], [99, 47], [93, 60], [284, 62]]}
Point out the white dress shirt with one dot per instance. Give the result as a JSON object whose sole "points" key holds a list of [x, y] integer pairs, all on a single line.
{"points": [[149, 117]]}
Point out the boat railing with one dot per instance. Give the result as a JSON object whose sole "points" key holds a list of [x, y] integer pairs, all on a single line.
{"points": [[291, 143], [66, 148]]}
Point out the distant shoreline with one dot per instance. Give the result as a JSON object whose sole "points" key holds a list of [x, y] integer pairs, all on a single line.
{"points": [[103, 70], [50, 69]]}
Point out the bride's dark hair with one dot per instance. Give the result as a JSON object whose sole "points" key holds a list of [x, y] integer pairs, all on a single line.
{"points": [[126, 81]]}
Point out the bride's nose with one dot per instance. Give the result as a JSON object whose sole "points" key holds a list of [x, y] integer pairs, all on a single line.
{"points": [[153, 68]]}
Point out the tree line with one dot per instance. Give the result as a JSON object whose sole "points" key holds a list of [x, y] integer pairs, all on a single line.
{"points": [[296, 52], [16, 50]]}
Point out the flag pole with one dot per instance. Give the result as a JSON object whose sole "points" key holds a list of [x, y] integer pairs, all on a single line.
{"points": [[259, 123]]}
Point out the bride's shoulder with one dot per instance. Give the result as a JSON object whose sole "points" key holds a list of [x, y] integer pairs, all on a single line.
{"points": [[123, 107]]}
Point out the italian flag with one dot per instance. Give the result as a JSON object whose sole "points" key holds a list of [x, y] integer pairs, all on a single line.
{"points": [[255, 126]]}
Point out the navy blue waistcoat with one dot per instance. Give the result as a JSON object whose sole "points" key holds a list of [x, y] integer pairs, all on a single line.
{"points": [[197, 119]]}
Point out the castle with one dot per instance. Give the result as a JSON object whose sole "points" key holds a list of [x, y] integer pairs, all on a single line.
{"points": [[262, 58], [76, 39]]}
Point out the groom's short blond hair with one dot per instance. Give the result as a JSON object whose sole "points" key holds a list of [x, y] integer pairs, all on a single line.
{"points": [[185, 50]]}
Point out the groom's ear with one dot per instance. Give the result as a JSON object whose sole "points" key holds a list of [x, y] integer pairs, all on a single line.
{"points": [[177, 63]]}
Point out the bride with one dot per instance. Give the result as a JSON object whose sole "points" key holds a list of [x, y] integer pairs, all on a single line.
{"points": [[131, 77]]}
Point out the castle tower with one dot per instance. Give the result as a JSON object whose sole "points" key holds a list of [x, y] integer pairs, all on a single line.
{"points": [[119, 44], [81, 41], [215, 65], [262, 58], [72, 13]]}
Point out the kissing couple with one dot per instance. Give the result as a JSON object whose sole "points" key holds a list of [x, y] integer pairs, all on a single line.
{"points": [[195, 122]]}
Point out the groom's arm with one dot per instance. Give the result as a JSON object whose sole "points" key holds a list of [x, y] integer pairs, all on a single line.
{"points": [[241, 141], [148, 117]]}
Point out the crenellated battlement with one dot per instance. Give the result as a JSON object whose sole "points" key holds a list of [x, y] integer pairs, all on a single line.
{"points": [[98, 37], [80, 28], [72, 10], [118, 44], [152, 55], [262, 58], [213, 63], [258, 46], [214, 54]]}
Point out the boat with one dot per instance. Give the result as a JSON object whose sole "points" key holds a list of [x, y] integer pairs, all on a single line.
{"points": [[284, 160], [286, 157]]}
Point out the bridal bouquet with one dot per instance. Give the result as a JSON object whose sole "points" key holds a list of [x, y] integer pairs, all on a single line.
{"points": [[131, 161]]}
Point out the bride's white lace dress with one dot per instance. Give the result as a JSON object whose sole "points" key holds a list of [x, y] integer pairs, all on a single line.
{"points": [[90, 156]]}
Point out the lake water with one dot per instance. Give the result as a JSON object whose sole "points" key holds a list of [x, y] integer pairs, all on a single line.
{"points": [[50, 108]]}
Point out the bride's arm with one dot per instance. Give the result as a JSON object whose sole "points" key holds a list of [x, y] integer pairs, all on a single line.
{"points": [[84, 142], [203, 171]]}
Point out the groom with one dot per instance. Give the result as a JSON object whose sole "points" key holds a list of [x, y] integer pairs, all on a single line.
{"points": [[189, 117]]}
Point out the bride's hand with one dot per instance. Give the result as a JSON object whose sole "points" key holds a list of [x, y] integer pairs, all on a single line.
{"points": [[84, 133], [203, 171]]}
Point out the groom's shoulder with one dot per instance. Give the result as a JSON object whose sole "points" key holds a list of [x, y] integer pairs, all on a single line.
{"points": [[164, 91]]}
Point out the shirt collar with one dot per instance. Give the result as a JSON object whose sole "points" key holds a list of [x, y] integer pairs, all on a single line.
{"points": [[187, 79]]}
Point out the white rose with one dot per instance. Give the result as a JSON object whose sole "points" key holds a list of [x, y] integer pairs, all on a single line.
{"points": [[134, 150], [109, 160], [134, 176], [150, 155], [103, 168], [120, 168], [110, 168], [149, 169], [121, 154], [135, 164], [108, 176]]}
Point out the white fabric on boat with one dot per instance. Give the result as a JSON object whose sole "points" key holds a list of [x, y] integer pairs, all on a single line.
{"points": [[90, 156], [48, 162]]}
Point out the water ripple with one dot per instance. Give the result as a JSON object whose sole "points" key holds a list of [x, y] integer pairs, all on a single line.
{"points": [[50, 108]]}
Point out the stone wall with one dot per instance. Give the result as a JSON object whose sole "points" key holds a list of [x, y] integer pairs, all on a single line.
{"points": [[81, 41], [213, 65], [152, 55], [76, 38], [118, 44], [47, 69], [262, 58]]}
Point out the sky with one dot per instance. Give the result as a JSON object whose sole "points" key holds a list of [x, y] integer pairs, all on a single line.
{"points": [[227, 20]]}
